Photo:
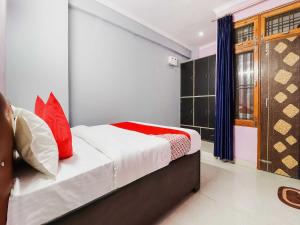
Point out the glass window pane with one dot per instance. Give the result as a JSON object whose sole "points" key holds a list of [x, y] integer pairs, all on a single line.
{"points": [[244, 85], [283, 22], [244, 33]]}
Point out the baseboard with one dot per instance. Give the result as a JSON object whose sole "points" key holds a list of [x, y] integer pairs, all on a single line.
{"points": [[209, 158], [245, 163]]}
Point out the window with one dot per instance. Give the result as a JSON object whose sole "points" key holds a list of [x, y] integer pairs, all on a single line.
{"points": [[278, 23], [244, 33], [281, 22], [246, 72], [244, 85]]}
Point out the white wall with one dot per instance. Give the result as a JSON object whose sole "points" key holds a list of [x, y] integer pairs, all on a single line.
{"points": [[116, 75], [37, 51], [2, 42]]}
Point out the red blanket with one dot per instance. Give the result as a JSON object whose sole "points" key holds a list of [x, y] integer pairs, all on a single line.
{"points": [[150, 130], [180, 141]]}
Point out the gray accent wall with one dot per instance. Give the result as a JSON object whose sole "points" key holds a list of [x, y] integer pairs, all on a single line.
{"points": [[105, 13], [2, 43], [119, 75], [37, 51], [103, 66]]}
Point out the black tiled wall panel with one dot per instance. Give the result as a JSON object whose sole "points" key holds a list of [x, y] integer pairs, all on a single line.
{"points": [[186, 111], [212, 74], [201, 112], [187, 78], [211, 111], [208, 134], [201, 76], [198, 83]]}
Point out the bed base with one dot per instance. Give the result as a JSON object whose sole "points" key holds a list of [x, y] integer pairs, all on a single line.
{"points": [[142, 202]]}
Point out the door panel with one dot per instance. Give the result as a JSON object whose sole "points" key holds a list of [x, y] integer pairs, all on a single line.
{"points": [[280, 105]]}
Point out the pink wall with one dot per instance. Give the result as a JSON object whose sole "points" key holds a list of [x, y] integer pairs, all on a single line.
{"points": [[245, 138], [245, 143], [206, 50]]}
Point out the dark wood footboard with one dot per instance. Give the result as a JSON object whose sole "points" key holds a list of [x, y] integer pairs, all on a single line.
{"points": [[143, 201], [6, 155]]}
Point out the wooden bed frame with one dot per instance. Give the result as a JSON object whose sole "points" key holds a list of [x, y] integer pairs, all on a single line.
{"points": [[141, 202], [6, 162]]}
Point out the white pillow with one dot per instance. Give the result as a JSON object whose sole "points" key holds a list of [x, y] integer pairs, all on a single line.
{"points": [[35, 142]]}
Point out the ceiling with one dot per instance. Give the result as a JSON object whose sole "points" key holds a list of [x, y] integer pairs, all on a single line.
{"points": [[179, 20]]}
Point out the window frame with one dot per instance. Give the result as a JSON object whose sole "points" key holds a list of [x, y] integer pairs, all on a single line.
{"points": [[245, 22], [247, 46], [275, 12]]}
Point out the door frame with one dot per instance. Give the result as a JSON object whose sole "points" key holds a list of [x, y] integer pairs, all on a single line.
{"points": [[263, 40]]}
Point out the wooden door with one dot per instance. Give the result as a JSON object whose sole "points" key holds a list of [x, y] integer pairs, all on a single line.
{"points": [[280, 104]]}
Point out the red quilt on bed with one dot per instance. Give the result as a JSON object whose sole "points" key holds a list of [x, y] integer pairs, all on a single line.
{"points": [[180, 141]]}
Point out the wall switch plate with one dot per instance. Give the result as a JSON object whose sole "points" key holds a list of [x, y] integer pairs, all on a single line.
{"points": [[173, 61]]}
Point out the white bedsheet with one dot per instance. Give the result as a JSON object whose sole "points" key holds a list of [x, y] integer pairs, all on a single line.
{"points": [[195, 136], [36, 199], [134, 154]]}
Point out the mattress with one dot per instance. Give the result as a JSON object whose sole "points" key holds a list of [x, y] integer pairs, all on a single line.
{"points": [[105, 158], [36, 199], [134, 154]]}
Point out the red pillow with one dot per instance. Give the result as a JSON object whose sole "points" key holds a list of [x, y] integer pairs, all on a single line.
{"points": [[53, 114], [39, 107]]}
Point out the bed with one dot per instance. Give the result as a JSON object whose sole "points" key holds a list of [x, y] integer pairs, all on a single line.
{"points": [[113, 178]]}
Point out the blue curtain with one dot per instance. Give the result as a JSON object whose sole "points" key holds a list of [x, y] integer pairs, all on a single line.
{"points": [[225, 90]]}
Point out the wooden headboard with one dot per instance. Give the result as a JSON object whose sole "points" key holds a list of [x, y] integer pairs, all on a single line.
{"points": [[6, 162]]}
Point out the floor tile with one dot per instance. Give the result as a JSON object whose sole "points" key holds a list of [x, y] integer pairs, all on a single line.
{"points": [[235, 195]]}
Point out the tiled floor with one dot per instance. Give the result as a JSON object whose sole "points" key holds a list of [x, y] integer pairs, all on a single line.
{"points": [[235, 195]]}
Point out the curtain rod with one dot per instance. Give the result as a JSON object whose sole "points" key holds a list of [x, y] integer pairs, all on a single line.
{"points": [[237, 10], [264, 11]]}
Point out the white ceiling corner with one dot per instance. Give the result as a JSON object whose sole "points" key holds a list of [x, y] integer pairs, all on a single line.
{"points": [[131, 15], [179, 20]]}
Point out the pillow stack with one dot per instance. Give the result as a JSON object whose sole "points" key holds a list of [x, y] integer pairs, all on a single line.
{"points": [[42, 139], [53, 114], [35, 142]]}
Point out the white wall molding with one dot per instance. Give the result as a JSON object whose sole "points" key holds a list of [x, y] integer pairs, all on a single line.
{"points": [[116, 18], [234, 6], [114, 7]]}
